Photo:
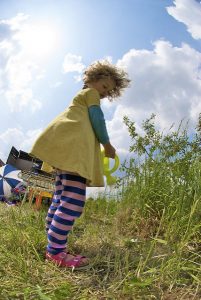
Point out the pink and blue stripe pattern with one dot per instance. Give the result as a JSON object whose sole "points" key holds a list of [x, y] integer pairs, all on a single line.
{"points": [[67, 205]]}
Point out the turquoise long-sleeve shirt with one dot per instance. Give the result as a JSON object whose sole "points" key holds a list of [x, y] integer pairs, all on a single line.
{"points": [[98, 123]]}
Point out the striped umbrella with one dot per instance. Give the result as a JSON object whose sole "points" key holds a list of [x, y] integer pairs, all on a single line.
{"points": [[9, 179]]}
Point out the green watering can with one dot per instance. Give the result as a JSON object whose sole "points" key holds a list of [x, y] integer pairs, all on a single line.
{"points": [[106, 168]]}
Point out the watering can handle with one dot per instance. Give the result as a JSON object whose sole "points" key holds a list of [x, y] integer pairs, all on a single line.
{"points": [[106, 163]]}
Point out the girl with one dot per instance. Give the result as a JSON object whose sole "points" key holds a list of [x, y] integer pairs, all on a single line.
{"points": [[71, 144]]}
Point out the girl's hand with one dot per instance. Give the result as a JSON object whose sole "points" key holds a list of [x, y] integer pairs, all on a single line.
{"points": [[109, 150]]}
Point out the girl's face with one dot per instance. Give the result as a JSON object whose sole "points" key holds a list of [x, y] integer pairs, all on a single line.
{"points": [[103, 86]]}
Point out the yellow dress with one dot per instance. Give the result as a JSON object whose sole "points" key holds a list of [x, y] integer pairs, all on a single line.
{"points": [[69, 143]]}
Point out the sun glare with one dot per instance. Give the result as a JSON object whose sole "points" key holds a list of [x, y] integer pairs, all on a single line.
{"points": [[38, 40]]}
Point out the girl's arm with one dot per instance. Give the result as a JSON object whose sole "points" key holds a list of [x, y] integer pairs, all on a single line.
{"points": [[98, 124]]}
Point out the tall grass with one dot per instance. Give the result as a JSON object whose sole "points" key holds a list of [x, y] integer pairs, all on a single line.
{"points": [[144, 246]]}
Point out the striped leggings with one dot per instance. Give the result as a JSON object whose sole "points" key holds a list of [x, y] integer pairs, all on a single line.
{"points": [[67, 205]]}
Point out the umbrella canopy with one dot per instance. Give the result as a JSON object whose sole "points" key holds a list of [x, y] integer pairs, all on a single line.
{"points": [[9, 179]]}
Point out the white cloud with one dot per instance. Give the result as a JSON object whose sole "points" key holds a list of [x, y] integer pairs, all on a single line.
{"points": [[18, 70], [165, 81], [17, 138], [73, 63], [20, 76], [189, 13], [29, 139], [14, 24]]}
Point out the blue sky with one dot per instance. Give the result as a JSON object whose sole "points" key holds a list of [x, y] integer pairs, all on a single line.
{"points": [[45, 46]]}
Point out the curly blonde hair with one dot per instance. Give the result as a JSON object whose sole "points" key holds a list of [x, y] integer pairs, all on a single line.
{"points": [[104, 69]]}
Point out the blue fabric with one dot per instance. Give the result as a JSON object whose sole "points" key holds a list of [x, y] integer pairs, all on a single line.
{"points": [[72, 178], [74, 189], [98, 123], [8, 174], [8, 169], [63, 221]]}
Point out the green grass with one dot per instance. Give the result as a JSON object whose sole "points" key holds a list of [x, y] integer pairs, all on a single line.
{"points": [[132, 256], [146, 244]]}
